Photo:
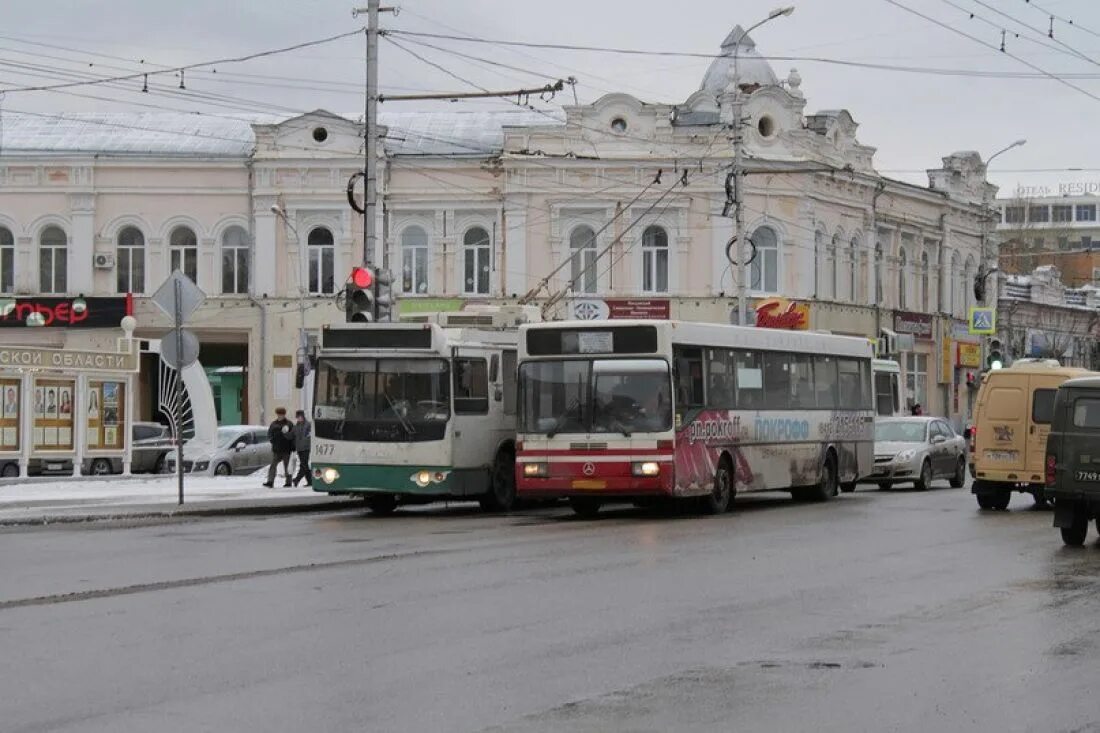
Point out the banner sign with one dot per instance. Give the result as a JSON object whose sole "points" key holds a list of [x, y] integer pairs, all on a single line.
{"points": [[782, 313], [970, 355], [919, 325], [652, 309], [34, 312]]}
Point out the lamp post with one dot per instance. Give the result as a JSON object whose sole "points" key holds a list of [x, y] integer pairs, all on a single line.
{"points": [[738, 169], [987, 218], [303, 344]]}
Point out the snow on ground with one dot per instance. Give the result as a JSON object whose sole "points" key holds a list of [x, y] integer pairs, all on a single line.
{"points": [[88, 492]]}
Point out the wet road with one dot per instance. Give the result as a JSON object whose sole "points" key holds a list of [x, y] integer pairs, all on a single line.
{"points": [[876, 612]]}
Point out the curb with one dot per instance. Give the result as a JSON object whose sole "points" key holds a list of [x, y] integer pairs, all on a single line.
{"points": [[228, 511]]}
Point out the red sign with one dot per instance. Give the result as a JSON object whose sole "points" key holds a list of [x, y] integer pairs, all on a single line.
{"points": [[782, 313], [917, 324], [652, 309], [65, 312]]}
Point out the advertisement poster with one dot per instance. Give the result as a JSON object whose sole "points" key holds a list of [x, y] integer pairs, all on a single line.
{"points": [[9, 415], [65, 401], [11, 402], [39, 402], [93, 404], [110, 394], [51, 402]]}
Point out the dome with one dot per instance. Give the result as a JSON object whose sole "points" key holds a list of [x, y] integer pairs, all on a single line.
{"points": [[751, 66]]}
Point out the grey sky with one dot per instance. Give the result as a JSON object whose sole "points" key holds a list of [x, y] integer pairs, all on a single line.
{"points": [[913, 119]]}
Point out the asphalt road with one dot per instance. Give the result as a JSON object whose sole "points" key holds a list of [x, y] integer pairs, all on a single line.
{"points": [[893, 611]]}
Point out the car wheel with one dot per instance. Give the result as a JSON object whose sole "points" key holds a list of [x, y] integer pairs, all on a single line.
{"points": [[924, 482], [999, 501], [223, 469], [158, 467], [101, 467], [959, 479], [11, 470], [848, 487], [1074, 535]]}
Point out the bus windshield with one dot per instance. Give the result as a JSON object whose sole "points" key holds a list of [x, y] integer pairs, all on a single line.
{"points": [[382, 400], [595, 396]]}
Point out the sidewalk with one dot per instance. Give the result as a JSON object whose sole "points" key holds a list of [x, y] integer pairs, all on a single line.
{"points": [[88, 499]]}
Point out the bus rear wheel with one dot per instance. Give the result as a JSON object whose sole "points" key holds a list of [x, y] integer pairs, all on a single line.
{"points": [[585, 506], [381, 504], [720, 497], [502, 484], [827, 488]]}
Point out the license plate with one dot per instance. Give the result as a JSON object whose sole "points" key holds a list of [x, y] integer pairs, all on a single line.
{"points": [[1087, 476], [53, 466], [1001, 455], [587, 483]]}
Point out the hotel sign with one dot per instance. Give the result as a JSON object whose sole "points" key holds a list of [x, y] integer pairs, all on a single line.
{"points": [[1069, 188], [67, 360]]}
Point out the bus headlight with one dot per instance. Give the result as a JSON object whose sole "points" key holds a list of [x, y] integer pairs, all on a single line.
{"points": [[535, 470], [645, 468], [422, 478], [329, 475]]}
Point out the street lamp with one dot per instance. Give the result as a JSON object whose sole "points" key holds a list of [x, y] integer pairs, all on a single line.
{"points": [[303, 342], [739, 173], [987, 217]]}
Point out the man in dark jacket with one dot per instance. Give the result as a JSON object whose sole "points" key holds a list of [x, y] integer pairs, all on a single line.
{"points": [[302, 436], [280, 434]]}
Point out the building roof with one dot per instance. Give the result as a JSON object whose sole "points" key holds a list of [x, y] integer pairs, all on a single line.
{"points": [[196, 135], [751, 66]]}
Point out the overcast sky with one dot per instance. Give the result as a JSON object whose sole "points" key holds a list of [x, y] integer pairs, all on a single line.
{"points": [[913, 119]]}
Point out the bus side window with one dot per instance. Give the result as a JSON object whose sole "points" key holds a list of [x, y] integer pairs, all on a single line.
{"points": [[748, 367], [802, 394], [689, 378], [777, 381], [508, 364], [720, 379], [825, 383], [850, 384], [471, 386]]}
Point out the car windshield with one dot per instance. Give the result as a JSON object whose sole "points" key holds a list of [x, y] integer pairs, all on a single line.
{"points": [[595, 396], [894, 431], [386, 400]]}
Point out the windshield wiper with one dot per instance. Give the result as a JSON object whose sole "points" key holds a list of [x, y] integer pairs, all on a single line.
{"points": [[409, 430], [561, 418], [620, 427]]}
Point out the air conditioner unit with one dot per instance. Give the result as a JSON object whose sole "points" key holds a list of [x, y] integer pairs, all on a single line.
{"points": [[103, 261]]}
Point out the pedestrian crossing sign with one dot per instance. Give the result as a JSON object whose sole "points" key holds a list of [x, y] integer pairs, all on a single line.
{"points": [[983, 321]]}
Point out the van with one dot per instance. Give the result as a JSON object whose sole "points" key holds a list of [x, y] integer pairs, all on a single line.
{"points": [[1012, 420], [1073, 458]]}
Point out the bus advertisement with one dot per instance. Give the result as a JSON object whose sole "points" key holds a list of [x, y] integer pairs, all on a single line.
{"points": [[638, 411]]}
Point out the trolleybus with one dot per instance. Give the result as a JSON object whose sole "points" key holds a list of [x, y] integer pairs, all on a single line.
{"points": [[638, 410], [417, 412]]}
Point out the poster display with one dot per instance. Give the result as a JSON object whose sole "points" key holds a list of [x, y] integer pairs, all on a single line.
{"points": [[53, 414], [105, 405], [9, 414]]}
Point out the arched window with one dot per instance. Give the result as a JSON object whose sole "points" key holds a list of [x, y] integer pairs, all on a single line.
{"points": [[655, 260], [950, 283], [924, 304], [967, 278], [53, 250], [903, 276], [130, 264], [183, 252], [582, 266], [477, 261], [764, 270], [7, 261], [878, 272], [819, 253], [414, 260], [235, 261], [322, 261], [832, 255], [854, 287]]}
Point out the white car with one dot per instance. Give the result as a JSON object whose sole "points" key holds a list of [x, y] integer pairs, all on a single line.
{"points": [[917, 450], [237, 449]]}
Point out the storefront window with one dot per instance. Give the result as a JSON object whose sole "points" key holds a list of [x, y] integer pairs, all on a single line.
{"points": [[105, 408], [53, 414], [9, 416], [916, 378]]}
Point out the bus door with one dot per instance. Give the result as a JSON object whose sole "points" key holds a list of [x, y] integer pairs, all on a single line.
{"points": [[477, 411]]}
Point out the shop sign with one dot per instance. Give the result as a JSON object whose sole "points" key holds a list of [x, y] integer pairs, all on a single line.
{"points": [[17, 357], [947, 359], [918, 325], [969, 355], [64, 312], [961, 332], [654, 308], [782, 313], [409, 306]]}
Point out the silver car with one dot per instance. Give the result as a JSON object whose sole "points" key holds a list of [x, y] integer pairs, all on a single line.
{"points": [[237, 449], [151, 442], [917, 450]]}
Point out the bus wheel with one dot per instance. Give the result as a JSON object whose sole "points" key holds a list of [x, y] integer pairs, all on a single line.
{"points": [[381, 504], [585, 506], [721, 496], [828, 487], [1074, 535], [502, 484]]}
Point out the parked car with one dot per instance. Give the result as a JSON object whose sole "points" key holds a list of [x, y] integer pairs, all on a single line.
{"points": [[237, 449], [918, 450], [9, 468], [151, 443], [1072, 463]]}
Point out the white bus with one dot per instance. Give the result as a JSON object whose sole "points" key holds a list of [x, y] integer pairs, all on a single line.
{"points": [[638, 410], [887, 387], [409, 413]]}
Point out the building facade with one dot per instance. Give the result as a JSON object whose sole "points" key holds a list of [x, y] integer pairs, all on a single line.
{"points": [[620, 205], [1061, 231]]}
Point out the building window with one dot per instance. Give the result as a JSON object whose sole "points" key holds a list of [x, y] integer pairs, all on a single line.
{"points": [[819, 254], [764, 270], [829, 288], [582, 266], [903, 264], [1061, 212], [476, 254], [52, 255], [1086, 241], [235, 259], [322, 261], [414, 260], [1086, 212], [130, 267], [1014, 214], [1038, 214], [916, 378], [924, 302], [1063, 242], [967, 279], [655, 260], [7, 261], [951, 282], [853, 262], [183, 253], [878, 272]]}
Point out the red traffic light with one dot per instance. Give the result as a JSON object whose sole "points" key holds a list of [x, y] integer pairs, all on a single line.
{"points": [[361, 277]]}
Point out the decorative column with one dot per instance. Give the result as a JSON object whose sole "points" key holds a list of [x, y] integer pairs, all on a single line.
{"points": [[265, 253], [81, 243]]}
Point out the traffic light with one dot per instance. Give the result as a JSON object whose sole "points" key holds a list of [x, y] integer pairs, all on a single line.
{"points": [[383, 295], [995, 354], [359, 296]]}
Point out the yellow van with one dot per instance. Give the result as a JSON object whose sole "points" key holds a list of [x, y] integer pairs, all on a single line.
{"points": [[1012, 420]]}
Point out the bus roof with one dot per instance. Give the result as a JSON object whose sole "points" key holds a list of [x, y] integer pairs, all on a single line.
{"points": [[723, 335]]}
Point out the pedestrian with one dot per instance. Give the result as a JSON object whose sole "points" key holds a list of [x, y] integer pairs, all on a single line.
{"points": [[301, 434], [279, 434], [917, 411]]}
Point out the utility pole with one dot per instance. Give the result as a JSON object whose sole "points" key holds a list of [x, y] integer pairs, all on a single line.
{"points": [[370, 131]]}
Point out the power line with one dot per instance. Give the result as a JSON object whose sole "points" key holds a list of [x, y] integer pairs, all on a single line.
{"points": [[1067, 21]]}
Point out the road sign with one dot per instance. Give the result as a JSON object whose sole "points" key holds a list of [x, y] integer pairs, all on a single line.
{"points": [[983, 321], [170, 348], [191, 297]]}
